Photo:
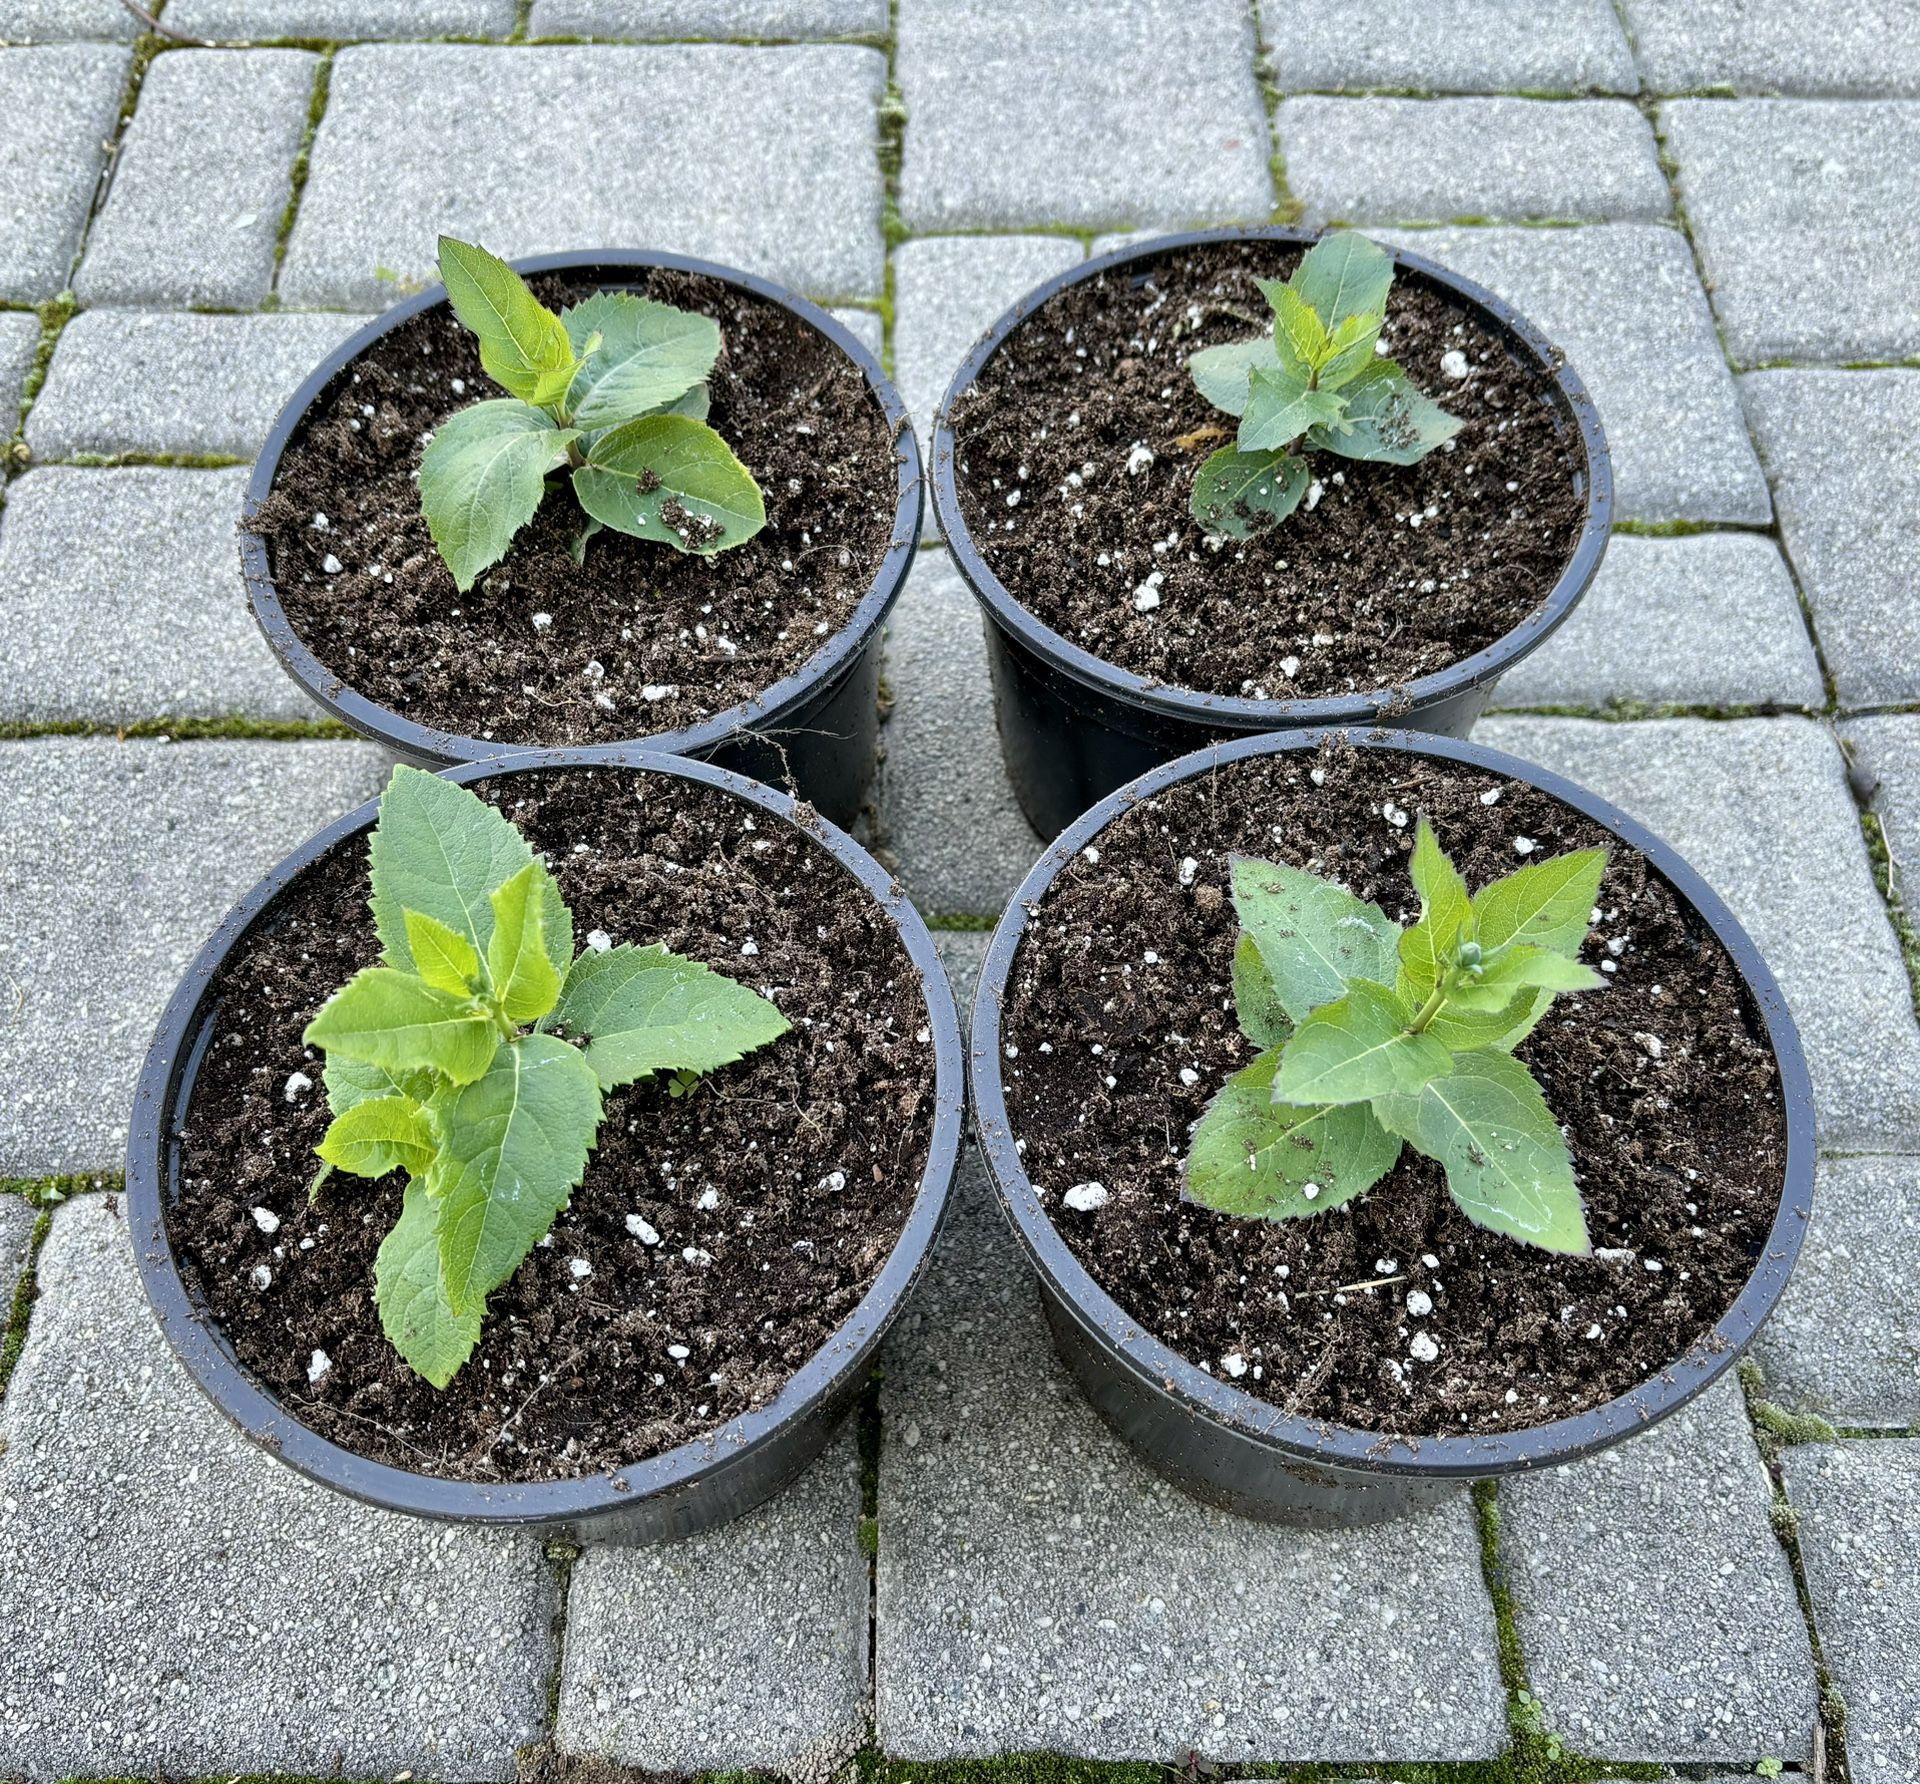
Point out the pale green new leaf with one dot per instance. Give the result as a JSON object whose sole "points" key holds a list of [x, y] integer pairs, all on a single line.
{"points": [[1281, 407], [1350, 350], [1255, 1002], [1524, 966], [482, 477], [382, 1134], [646, 1010], [1243, 494], [414, 1311], [1220, 373], [1252, 1156], [442, 956], [1315, 937], [1507, 1166], [1387, 420], [516, 1144], [524, 978], [1549, 904], [350, 1082], [392, 1019], [1355, 1049], [1426, 948], [672, 479], [1344, 275], [1459, 1026], [523, 345], [1300, 338], [649, 355], [1526, 1022]]}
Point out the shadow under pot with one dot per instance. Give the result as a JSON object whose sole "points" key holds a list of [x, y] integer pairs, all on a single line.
{"points": [[1122, 632], [1347, 1362], [705, 1308], [763, 657]]}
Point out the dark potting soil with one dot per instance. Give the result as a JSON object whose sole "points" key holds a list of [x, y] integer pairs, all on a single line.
{"points": [[1396, 572], [638, 640], [792, 1171], [1664, 1083]]}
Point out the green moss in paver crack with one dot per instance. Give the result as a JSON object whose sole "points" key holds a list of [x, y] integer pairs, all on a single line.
{"points": [[302, 163], [1883, 752]]}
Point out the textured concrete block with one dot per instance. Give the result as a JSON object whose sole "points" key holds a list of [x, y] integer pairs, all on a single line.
{"points": [[1080, 113], [961, 952], [1761, 808], [57, 21], [19, 342], [708, 18], [1438, 160], [1870, 48], [1888, 746], [781, 177], [1656, 1612], [242, 20], [116, 861], [168, 381], [17, 1221], [173, 1596], [60, 103], [1706, 621], [1838, 448], [122, 598], [1803, 214]]}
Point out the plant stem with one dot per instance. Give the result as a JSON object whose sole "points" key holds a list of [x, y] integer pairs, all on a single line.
{"points": [[1432, 1007]]}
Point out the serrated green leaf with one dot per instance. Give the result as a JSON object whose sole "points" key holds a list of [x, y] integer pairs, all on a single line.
{"points": [[350, 1082], [1257, 1005], [1281, 407], [1300, 338], [1349, 351], [1252, 1156], [1427, 947], [1549, 904], [1344, 275], [482, 477], [524, 979], [1355, 1049], [672, 479], [440, 849], [1527, 1021], [392, 1019], [414, 1311], [649, 355], [646, 1010], [1243, 494], [1314, 937], [382, 1134], [442, 956], [1387, 420], [1507, 1167], [1220, 374], [523, 344], [516, 1144], [1458, 1026], [1523, 965]]}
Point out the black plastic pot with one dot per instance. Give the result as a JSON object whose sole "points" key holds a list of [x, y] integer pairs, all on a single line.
{"points": [[1073, 726], [815, 731], [1243, 1453], [728, 1471]]}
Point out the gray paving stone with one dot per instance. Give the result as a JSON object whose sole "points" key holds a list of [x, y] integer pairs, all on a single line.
{"points": [[1845, 1340], [1705, 621], [947, 813], [1656, 1612], [173, 1597], [1888, 744], [1838, 448], [116, 861], [1448, 46], [1623, 302], [708, 18], [961, 952], [60, 103], [19, 342], [743, 1648], [1860, 1545], [122, 598], [866, 327], [202, 182], [780, 177], [1039, 1589], [17, 1220], [175, 381], [240, 20], [1869, 49], [1080, 113], [1761, 808], [1437, 160], [56, 21], [1804, 221]]}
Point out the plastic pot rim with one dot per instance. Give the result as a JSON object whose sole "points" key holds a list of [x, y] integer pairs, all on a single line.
{"points": [[813, 678], [1564, 389], [1387, 1454], [195, 1337]]}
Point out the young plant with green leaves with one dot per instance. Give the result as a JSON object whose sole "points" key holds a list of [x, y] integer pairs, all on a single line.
{"points": [[475, 1056], [1316, 383], [1372, 1036], [612, 389]]}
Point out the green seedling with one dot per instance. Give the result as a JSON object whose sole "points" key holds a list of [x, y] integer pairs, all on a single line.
{"points": [[476, 1055], [1372, 1037], [1317, 382], [612, 390]]}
